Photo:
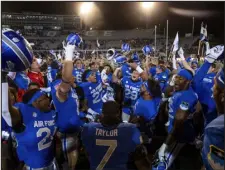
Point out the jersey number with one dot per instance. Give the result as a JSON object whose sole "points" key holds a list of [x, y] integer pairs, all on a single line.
{"points": [[42, 144], [131, 94], [96, 97], [112, 146]]}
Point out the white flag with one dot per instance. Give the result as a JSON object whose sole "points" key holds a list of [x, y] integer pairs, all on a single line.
{"points": [[98, 45], [176, 43], [203, 32], [93, 52]]}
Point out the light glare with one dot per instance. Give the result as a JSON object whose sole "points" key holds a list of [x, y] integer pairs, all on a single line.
{"points": [[147, 5], [86, 7]]}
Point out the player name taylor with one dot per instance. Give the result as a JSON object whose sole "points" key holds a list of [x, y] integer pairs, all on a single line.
{"points": [[101, 132]]}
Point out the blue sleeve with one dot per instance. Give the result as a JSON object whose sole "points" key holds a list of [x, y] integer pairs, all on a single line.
{"points": [[84, 86], [123, 82], [136, 137], [152, 71], [213, 148], [200, 75], [21, 80], [137, 110], [186, 102]]}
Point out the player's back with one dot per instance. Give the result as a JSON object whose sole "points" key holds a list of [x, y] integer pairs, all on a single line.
{"points": [[109, 147], [213, 148]]}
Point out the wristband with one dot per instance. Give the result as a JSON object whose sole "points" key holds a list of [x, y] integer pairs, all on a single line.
{"points": [[139, 69], [12, 75], [67, 82]]}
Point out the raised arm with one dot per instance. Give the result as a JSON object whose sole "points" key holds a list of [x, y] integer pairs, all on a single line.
{"points": [[10, 113], [67, 76]]}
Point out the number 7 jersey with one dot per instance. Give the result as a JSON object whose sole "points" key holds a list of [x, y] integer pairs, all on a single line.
{"points": [[109, 147]]}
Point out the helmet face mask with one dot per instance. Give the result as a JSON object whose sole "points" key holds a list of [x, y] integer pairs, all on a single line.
{"points": [[111, 53]]}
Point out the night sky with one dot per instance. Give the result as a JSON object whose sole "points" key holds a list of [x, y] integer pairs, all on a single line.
{"points": [[127, 15]]}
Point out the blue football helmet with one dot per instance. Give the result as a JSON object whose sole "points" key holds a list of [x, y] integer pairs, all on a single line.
{"points": [[125, 48], [147, 50], [74, 39], [135, 58], [119, 60], [17, 53]]}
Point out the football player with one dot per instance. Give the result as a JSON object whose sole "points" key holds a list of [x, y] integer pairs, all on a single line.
{"points": [[131, 92], [110, 143], [93, 94], [33, 124], [66, 103], [78, 71], [213, 145], [180, 127]]}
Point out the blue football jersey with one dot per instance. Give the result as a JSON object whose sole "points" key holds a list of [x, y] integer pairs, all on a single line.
{"points": [[147, 108], [131, 91], [93, 93], [162, 78], [51, 75], [98, 77], [77, 73], [213, 145], [152, 71], [68, 120], [21, 80], [184, 100], [203, 85], [126, 70], [35, 144], [109, 147], [5, 126]]}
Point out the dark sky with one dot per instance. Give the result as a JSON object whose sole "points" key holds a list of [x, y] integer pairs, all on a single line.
{"points": [[127, 15]]}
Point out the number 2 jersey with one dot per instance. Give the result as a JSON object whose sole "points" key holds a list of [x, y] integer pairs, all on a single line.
{"points": [[93, 93], [109, 147], [35, 144]]}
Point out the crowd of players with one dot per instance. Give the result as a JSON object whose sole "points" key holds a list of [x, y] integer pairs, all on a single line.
{"points": [[113, 114]]}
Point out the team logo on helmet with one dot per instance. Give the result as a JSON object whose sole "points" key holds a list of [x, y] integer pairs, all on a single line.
{"points": [[125, 48], [147, 50], [10, 65], [16, 40]]}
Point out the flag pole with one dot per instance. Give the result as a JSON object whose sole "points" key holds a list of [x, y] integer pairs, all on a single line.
{"points": [[202, 51], [193, 26], [199, 45], [167, 24], [155, 40]]}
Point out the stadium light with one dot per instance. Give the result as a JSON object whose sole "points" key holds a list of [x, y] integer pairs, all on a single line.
{"points": [[147, 5], [86, 7]]}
